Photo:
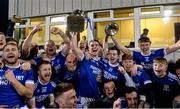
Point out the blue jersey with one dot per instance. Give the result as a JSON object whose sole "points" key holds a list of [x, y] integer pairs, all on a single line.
{"points": [[57, 63], [88, 85], [8, 94], [111, 72], [70, 76], [140, 80], [165, 89], [42, 91], [147, 61]]}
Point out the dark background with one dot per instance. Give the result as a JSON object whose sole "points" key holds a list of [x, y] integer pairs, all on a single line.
{"points": [[4, 15], [177, 31]]}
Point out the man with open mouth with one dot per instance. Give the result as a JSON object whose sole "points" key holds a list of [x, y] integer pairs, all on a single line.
{"points": [[166, 85], [15, 85], [57, 59], [44, 87]]}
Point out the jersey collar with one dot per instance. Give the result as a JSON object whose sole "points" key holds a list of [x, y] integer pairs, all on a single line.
{"points": [[146, 54], [113, 65], [13, 67], [41, 82]]}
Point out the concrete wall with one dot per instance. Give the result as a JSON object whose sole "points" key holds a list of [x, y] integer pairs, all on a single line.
{"points": [[31, 8]]}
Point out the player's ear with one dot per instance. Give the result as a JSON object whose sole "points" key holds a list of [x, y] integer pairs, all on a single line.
{"points": [[65, 63], [38, 72], [19, 54]]}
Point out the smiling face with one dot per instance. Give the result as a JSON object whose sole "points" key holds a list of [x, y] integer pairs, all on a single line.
{"points": [[109, 89], [82, 45], [113, 56], [160, 66], [145, 47], [94, 48], [132, 99], [127, 64], [10, 54], [71, 62], [144, 44], [50, 48], [160, 69], [45, 72]]}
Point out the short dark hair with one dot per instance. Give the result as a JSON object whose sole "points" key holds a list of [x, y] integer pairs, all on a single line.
{"points": [[11, 40], [160, 60], [61, 88], [114, 48], [43, 62], [144, 39], [95, 41], [108, 81], [13, 44], [130, 90], [145, 29]]}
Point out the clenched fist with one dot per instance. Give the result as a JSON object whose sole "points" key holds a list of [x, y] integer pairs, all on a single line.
{"points": [[10, 75], [25, 66], [55, 30], [121, 70], [36, 28]]}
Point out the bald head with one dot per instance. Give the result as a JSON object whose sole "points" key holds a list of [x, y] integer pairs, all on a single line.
{"points": [[71, 62]]}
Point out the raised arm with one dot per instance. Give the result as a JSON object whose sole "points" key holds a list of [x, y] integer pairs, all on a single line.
{"points": [[28, 40], [173, 47], [65, 38], [74, 47], [120, 47], [105, 47]]}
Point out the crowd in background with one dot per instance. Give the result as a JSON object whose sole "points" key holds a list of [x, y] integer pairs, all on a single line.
{"points": [[81, 74]]}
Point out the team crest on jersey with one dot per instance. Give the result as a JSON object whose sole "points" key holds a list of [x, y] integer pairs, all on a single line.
{"points": [[44, 89], [166, 87], [38, 91], [110, 69], [146, 59]]}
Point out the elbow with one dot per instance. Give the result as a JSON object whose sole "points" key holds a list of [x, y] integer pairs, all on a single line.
{"points": [[29, 95], [127, 52]]}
